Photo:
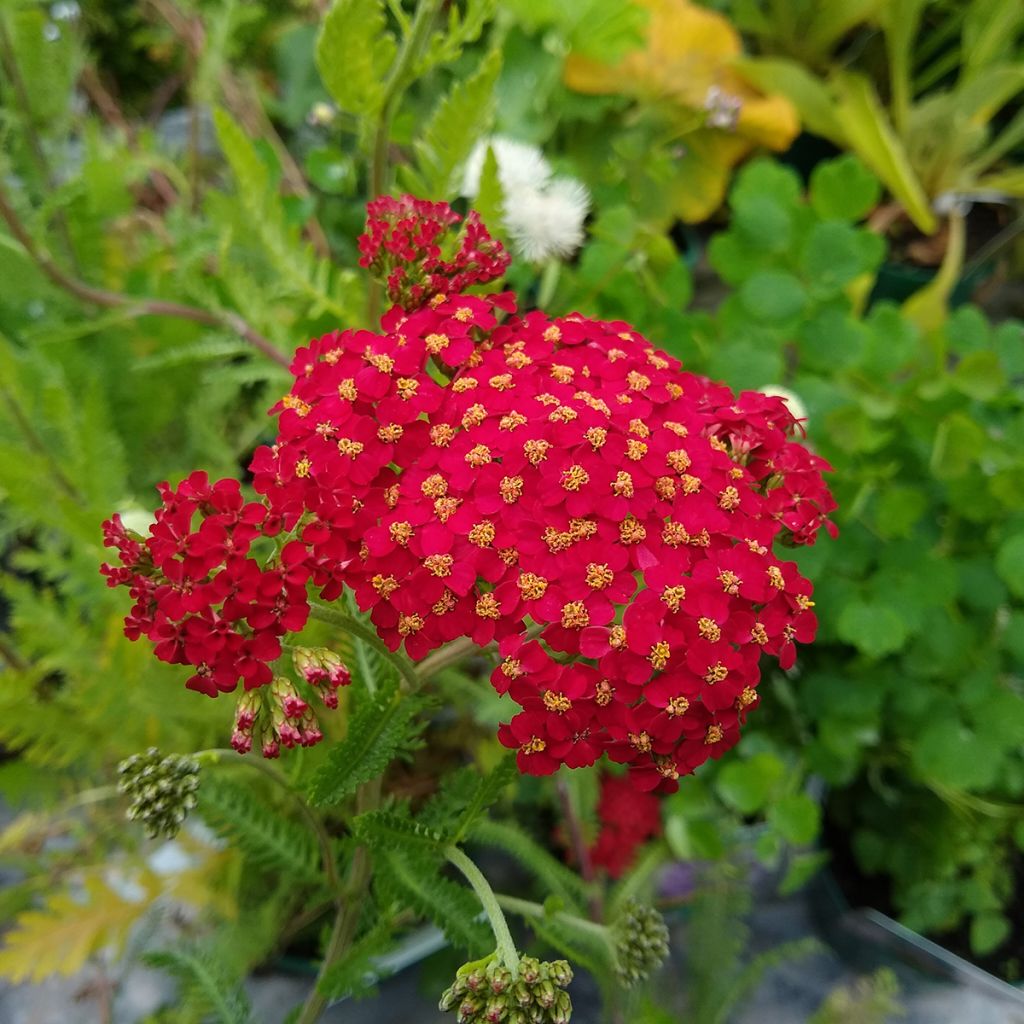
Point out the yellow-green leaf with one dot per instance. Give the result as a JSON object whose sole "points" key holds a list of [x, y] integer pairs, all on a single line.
{"points": [[873, 139], [353, 53], [61, 936]]}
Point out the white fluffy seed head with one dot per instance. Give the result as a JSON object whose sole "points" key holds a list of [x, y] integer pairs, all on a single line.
{"points": [[520, 165], [546, 223]]}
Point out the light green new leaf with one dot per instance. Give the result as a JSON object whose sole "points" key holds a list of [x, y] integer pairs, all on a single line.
{"points": [[353, 54], [873, 139], [462, 117]]}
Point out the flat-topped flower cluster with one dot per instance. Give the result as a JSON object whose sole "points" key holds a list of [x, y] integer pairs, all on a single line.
{"points": [[554, 486]]}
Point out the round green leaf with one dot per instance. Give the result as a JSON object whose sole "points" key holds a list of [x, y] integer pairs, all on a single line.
{"points": [[797, 818], [988, 931], [773, 296], [843, 189], [746, 785], [979, 375], [948, 753], [874, 629]]}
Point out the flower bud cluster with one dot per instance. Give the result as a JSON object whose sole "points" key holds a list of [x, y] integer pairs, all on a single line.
{"points": [[323, 670], [641, 943], [162, 790], [486, 991], [406, 245], [275, 716]]}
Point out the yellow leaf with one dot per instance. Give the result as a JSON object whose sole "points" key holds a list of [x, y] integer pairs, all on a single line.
{"points": [[61, 936], [689, 49], [702, 174]]}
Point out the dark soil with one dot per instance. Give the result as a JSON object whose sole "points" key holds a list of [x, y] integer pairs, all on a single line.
{"points": [[875, 891]]}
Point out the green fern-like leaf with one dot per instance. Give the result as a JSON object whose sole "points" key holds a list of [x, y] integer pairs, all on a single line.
{"points": [[207, 986], [418, 882], [385, 830], [267, 837], [462, 117], [489, 788], [355, 974], [551, 873], [381, 730], [353, 54], [313, 279]]}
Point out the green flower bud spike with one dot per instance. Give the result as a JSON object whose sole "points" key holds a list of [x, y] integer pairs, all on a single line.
{"points": [[641, 942], [162, 790], [485, 992]]}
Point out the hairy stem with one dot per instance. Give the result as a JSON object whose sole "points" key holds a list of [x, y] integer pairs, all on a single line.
{"points": [[528, 909], [507, 952], [135, 305]]}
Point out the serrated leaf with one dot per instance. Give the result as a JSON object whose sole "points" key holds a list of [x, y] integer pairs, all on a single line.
{"points": [[461, 117], [385, 830], [353, 53], [490, 787], [61, 936], [453, 908], [381, 729], [259, 830], [208, 986], [353, 976]]}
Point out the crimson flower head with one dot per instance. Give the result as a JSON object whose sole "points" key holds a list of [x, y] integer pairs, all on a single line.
{"points": [[556, 489], [409, 245]]}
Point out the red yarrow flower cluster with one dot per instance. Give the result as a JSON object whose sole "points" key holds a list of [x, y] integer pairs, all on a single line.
{"points": [[407, 244], [556, 487], [201, 598], [628, 820]]}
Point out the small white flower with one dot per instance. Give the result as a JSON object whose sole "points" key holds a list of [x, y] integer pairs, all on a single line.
{"points": [[547, 222], [520, 165], [723, 108]]}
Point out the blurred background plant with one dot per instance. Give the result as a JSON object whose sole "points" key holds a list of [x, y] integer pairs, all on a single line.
{"points": [[181, 186]]}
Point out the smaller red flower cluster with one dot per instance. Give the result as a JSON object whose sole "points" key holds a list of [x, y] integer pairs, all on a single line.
{"points": [[405, 245], [628, 820], [199, 595]]}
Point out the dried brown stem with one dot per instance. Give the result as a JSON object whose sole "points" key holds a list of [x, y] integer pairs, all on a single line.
{"points": [[136, 305]]}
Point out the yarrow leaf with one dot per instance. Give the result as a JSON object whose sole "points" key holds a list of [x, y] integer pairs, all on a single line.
{"points": [[207, 986], [380, 730], [266, 836], [353, 53], [460, 118], [60, 937], [453, 908]]}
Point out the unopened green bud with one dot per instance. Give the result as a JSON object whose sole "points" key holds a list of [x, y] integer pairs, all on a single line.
{"points": [[641, 942], [162, 790]]}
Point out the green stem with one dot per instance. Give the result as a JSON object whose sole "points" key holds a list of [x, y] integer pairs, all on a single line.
{"points": [[346, 921], [527, 908], [548, 283], [507, 952], [412, 46], [355, 627], [225, 756]]}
